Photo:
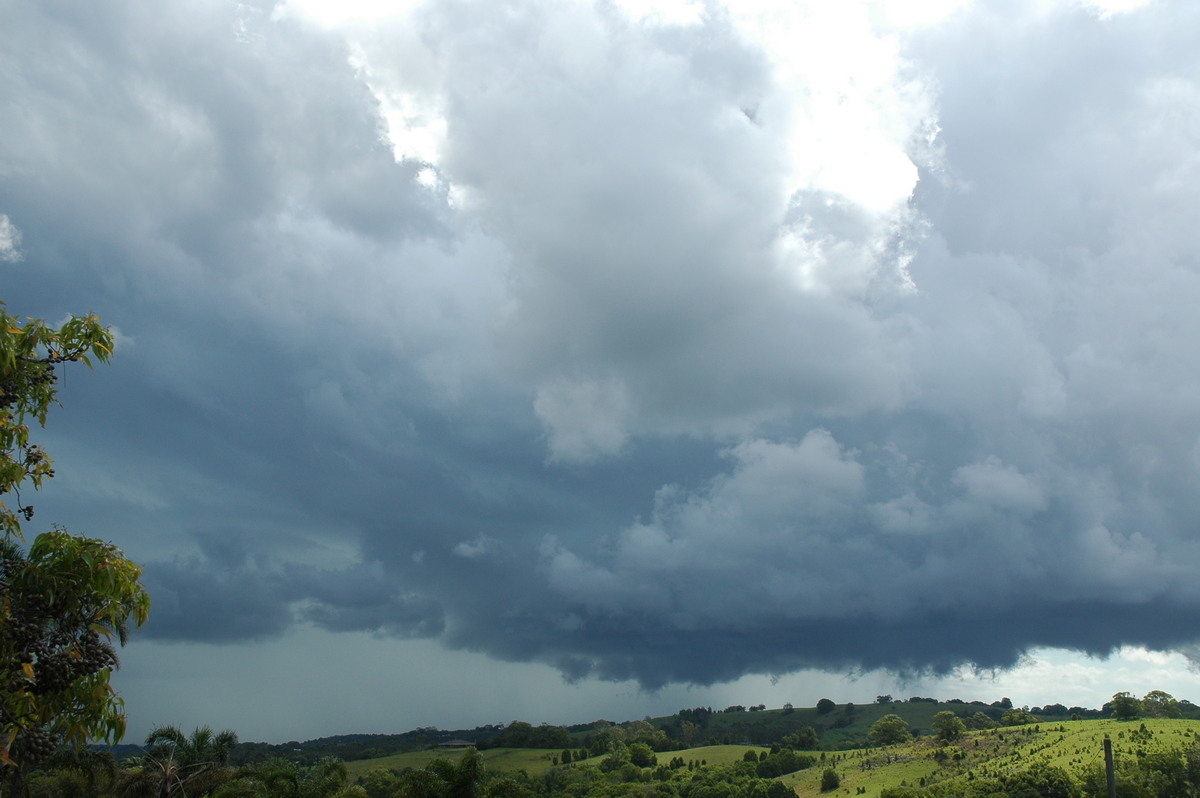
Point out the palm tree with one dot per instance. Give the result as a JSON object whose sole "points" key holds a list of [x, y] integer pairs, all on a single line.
{"points": [[171, 763]]}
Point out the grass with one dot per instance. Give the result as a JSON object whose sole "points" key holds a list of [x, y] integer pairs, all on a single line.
{"points": [[535, 761], [1075, 746], [532, 760]]}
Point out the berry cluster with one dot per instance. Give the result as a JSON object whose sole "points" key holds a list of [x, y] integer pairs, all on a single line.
{"points": [[35, 743], [42, 374], [59, 645]]}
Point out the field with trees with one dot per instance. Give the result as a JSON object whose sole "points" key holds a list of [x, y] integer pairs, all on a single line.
{"points": [[911, 749]]}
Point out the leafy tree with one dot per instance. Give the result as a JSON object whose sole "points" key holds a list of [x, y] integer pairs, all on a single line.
{"points": [[1039, 780], [380, 783], [1018, 717], [830, 780], [618, 755], [1159, 704], [1124, 706], [889, 730], [642, 755], [273, 777], [825, 706], [783, 762], [803, 739], [689, 732], [948, 726], [64, 600], [981, 720], [883, 699]]}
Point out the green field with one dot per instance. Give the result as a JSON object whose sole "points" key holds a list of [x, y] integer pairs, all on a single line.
{"points": [[1076, 746], [532, 760], [537, 760]]}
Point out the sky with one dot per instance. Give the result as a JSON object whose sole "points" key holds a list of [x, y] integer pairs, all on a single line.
{"points": [[558, 360]]}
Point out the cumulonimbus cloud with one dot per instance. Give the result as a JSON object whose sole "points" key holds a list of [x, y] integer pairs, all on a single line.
{"points": [[627, 366]]}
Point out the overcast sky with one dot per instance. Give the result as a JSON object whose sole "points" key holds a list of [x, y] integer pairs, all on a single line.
{"points": [[559, 359]]}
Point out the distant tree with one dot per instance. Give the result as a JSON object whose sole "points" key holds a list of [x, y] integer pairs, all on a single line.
{"points": [[1018, 717], [883, 699], [889, 730], [641, 755], [981, 720], [750, 756], [441, 778], [788, 708], [948, 726], [1158, 704], [803, 739], [1039, 779], [825, 706], [618, 755], [1124, 706], [1003, 703], [689, 733], [830, 780], [785, 761]]}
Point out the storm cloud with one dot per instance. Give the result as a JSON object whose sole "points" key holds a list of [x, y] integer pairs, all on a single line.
{"points": [[648, 346]]}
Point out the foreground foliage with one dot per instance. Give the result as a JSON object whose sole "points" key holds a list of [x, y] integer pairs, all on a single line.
{"points": [[65, 599]]}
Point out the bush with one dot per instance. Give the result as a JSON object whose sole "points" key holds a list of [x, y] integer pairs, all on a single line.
{"points": [[830, 780]]}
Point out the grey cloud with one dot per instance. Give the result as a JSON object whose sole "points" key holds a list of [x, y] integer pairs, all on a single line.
{"points": [[611, 396]]}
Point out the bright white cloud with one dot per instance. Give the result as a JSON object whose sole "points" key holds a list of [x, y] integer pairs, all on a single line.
{"points": [[10, 240]]}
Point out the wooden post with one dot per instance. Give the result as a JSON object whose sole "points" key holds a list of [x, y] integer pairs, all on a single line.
{"points": [[1109, 769]]}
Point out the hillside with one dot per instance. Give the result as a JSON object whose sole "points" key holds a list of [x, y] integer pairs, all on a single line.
{"points": [[841, 727], [1075, 746], [535, 761]]}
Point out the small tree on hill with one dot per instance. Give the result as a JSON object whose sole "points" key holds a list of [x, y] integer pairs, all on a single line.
{"points": [[803, 739], [981, 720], [1158, 704], [889, 730], [830, 780], [948, 726], [825, 706], [1018, 717], [1124, 706]]}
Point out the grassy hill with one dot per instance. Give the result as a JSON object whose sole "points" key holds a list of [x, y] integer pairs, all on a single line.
{"points": [[535, 761], [1076, 746]]}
